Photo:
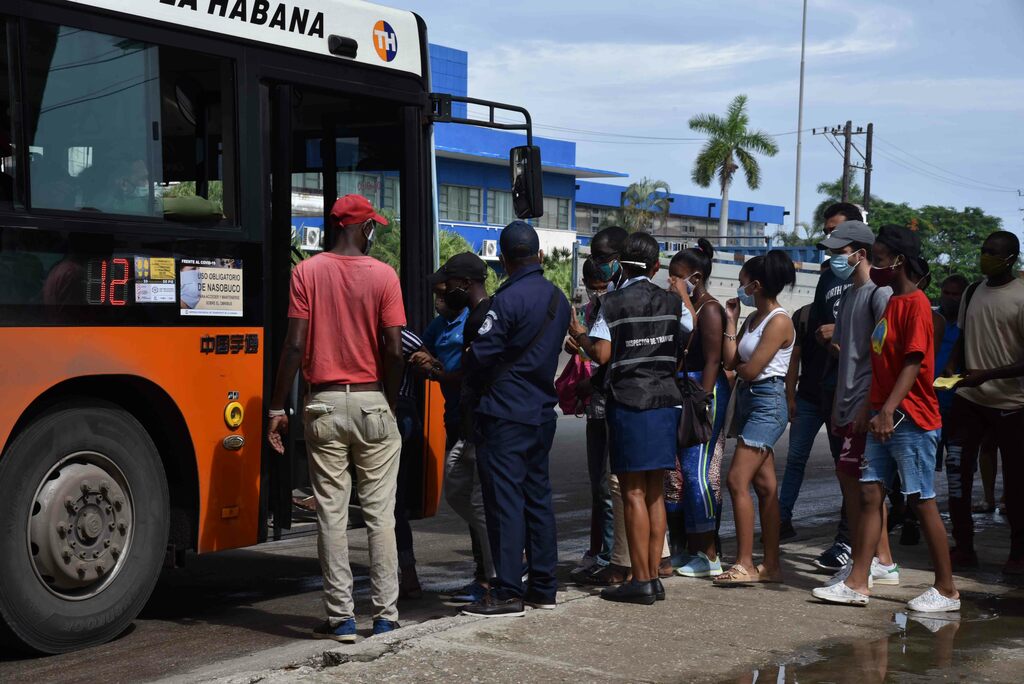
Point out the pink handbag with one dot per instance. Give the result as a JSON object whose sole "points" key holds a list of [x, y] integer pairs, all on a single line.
{"points": [[565, 386]]}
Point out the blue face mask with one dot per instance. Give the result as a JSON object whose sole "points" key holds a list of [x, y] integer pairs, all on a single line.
{"points": [[745, 299], [841, 266], [609, 269]]}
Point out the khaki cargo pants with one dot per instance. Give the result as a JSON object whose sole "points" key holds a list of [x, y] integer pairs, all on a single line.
{"points": [[356, 428]]}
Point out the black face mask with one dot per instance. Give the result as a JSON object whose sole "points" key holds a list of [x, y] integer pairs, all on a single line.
{"points": [[456, 298]]}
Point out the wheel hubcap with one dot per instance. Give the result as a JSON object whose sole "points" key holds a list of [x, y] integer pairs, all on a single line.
{"points": [[81, 526]]}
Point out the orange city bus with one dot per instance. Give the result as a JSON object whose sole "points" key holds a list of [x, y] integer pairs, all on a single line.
{"points": [[154, 155]]}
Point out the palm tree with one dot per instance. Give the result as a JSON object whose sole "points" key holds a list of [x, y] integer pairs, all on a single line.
{"points": [[729, 142], [643, 203], [833, 192]]}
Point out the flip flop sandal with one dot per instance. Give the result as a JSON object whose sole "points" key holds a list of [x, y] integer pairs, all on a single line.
{"points": [[760, 569], [737, 574]]}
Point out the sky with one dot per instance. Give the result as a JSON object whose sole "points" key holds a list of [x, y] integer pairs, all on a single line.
{"points": [[942, 81]]}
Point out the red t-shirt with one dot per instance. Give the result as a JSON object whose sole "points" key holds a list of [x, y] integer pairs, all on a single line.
{"points": [[906, 328], [348, 302]]}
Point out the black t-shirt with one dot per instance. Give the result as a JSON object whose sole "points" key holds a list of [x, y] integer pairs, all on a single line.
{"points": [[818, 365], [474, 321]]}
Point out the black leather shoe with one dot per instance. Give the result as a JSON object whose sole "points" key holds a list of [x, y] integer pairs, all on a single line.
{"points": [[540, 602], [631, 592], [489, 606], [659, 590]]}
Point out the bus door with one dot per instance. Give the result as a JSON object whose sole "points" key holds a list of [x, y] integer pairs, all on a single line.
{"points": [[323, 145]]}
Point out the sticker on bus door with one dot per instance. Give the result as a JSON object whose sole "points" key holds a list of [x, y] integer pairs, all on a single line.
{"points": [[210, 287], [154, 280]]}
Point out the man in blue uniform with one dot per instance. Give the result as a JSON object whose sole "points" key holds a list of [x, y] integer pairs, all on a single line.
{"points": [[512, 364]]}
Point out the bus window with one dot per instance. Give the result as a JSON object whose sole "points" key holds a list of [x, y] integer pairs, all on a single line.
{"points": [[6, 147], [118, 126]]}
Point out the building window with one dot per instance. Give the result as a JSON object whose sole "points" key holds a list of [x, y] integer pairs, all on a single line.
{"points": [[499, 208], [556, 213], [392, 196], [458, 203]]}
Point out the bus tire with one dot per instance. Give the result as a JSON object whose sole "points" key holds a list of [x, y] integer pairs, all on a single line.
{"points": [[83, 527]]}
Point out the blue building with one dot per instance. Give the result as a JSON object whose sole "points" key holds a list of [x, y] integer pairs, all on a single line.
{"points": [[473, 184], [474, 199]]}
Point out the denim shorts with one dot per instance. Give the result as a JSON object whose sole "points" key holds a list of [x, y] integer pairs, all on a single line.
{"points": [[910, 453], [761, 412]]}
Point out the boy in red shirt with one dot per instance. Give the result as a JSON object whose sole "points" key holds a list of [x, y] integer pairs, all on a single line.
{"points": [[904, 429]]}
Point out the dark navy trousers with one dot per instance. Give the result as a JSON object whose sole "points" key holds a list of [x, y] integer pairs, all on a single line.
{"points": [[512, 459]]}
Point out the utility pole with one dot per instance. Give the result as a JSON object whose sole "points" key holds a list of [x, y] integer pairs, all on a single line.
{"points": [[800, 124], [867, 167], [847, 133]]}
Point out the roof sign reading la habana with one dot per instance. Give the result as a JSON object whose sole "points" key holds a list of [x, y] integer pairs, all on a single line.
{"points": [[386, 37]]}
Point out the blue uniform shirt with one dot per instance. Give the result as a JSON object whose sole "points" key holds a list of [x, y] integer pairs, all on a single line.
{"points": [[443, 338], [526, 392]]}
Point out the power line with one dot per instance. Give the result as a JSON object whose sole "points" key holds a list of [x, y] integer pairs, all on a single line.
{"points": [[950, 173], [930, 174]]}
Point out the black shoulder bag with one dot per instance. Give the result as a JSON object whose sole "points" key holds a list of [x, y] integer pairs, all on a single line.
{"points": [[695, 421]]}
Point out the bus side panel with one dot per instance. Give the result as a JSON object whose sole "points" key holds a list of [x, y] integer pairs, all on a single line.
{"points": [[434, 449], [192, 368]]}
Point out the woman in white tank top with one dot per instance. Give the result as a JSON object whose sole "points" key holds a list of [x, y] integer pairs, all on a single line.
{"points": [[760, 358]]}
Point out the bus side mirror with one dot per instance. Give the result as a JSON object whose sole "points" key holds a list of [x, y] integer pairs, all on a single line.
{"points": [[527, 182]]}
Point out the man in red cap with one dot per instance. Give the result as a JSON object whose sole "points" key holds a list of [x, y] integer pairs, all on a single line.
{"points": [[345, 322]]}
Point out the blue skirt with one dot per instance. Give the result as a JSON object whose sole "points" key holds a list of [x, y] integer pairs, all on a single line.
{"points": [[642, 439]]}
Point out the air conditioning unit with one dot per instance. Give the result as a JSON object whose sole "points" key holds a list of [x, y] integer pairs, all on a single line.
{"points": [[312, 238], [489, 248]]}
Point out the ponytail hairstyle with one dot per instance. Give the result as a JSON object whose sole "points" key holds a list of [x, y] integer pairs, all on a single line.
{"points": [[640, 254], [698, 259], [774, 271]]}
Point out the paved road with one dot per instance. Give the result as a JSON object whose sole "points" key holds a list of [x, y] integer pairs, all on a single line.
{"points": [[235, 603]]}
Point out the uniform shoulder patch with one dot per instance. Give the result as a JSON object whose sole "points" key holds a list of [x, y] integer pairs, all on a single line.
{"points": [[488, 323]]}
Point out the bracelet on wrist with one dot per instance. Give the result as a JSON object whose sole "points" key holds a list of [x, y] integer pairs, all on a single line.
{"points": [[276, 413], [729, 337]]}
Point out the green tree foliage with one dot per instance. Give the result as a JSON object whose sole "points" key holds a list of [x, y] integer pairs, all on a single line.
{"points": [[644, 203], [188, 189], [731, 145], [558, 269], [950, 238], [387, 247]]}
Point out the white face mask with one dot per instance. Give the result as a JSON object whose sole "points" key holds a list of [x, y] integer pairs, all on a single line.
{"points": [[369, 239], [690, 287]]}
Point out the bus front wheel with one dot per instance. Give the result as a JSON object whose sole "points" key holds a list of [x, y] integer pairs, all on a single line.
{"points": [[83, 527]]}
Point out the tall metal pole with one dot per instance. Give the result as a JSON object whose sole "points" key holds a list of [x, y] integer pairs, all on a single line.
{"points": [[848, 135], [800, 124], [867, 168]]}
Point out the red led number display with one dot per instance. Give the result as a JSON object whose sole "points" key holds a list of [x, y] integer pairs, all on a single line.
{"points": [[107, 281]]}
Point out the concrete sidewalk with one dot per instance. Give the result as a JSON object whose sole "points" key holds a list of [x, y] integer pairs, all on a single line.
{"points": [[700, 633]]}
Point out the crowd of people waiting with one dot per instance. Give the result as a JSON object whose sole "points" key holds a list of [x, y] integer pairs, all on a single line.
{"points": [[665, 378]]}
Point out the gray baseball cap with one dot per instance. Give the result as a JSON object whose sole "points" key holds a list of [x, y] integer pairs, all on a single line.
{"points": [[847, 232]]}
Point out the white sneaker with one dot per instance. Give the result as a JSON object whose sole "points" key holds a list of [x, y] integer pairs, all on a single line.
{"points": [[840, 593], [889, 576], [844, 573], [932, 601]]}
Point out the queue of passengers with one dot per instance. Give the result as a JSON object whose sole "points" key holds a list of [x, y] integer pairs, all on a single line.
{"points": [[666, 378]]}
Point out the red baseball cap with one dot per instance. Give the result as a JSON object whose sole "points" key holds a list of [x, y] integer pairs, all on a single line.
{"points": [[352, 209]]}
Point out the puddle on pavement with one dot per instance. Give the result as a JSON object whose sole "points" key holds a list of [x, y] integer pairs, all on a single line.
{"points": [[924, 647]]}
